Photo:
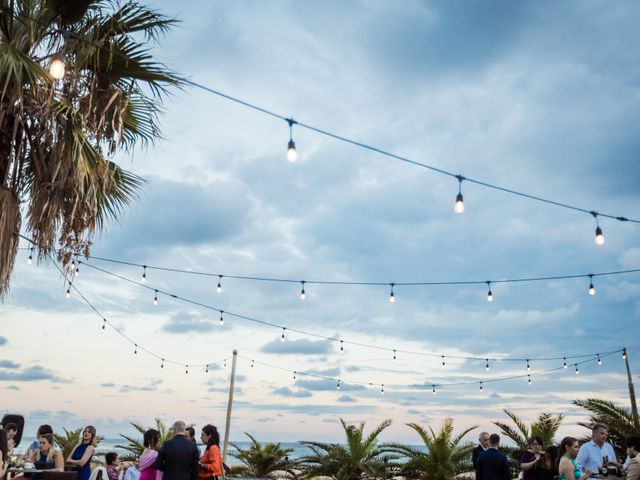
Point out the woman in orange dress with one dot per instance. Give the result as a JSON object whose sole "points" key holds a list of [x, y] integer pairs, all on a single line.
{"points": [[211, 460]]}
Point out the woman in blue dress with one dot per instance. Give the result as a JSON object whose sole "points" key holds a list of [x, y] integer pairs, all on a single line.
{"points": [[80, 458]]}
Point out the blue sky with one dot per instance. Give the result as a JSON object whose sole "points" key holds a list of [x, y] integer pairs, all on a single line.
{"points": [[540, 97]]}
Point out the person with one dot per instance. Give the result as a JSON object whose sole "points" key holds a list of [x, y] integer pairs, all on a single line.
{"points": [[568, 468], [80, 457], [483, 440], [549, 467], [113, 465], [492, 464], [47, 457], [132, 473], [633, 449], [31, 450], [597, 452], [12, 431], [211, 461], [4, 454], [151, 440], [178, 457], [532, 459], [191, 434]]}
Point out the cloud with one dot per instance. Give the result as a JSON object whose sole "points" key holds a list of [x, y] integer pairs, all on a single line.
{"points": [[287, 392], [3, 340], [8, 364], [108, 385], [12, 387], [265, 419], [188, 324], [327, 385], [32, 374], [302, 346], [151, 386], [346, 398]]}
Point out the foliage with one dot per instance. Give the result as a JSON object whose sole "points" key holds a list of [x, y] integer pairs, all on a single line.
{"points": [[446, 455], [360, 455], [58, 138], [70, 439], [546, 427], [619, 420], [263, 460], [135, 447]]}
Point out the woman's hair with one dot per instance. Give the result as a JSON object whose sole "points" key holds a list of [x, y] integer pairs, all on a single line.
{"points": [[42, 429], [551, 457], [537, 439], [566, 442], [92, 430], [4, 445], [212, 431], [49, 438], [110, 458], [151, 438]]}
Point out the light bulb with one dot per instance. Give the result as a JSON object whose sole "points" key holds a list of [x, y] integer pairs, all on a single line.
{"points": [[341, 347], [434, 389], [338, 385], [155, 298], [219, 287], [57, 67], [443, 364], [30, 259], [487, 365], [392, 297], [599, 236], [382, 389], [564, 364], [599, 360], [282, 336], [221, 321], [489, 296], [624, 353], [162, 363], [68, 294], [206, 370], [303, 295], [459, 206], [592, 290], [144, 274], [77, 272], [577, 371], [292, 155], [529, 377], [481, 388], [528, 366], [394, 355]]}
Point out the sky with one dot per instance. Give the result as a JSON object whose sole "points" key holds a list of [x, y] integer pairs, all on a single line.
{"points": [[538, 97]]}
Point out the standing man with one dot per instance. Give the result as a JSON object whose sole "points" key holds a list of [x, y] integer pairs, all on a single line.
{"points": [[178, 457], [633, 449], [483, 445], [492, 464], [593, 453]]}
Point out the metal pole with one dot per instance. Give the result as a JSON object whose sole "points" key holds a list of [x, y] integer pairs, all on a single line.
{"points": [[227, 425], [632, 391]]}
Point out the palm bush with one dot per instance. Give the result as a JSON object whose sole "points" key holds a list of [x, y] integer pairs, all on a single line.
{"points": [[619, 420], [263, 460], [135, 447], [58, 138], [360, 456], [70, 439], [545, 426], [446, 456]]}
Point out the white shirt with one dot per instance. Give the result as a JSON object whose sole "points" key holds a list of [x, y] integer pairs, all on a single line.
{"points": [[590, 455], [132, 473]]}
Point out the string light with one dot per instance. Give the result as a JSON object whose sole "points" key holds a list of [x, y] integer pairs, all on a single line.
{"points": [[481, 388], [282, 336], [341, 346], [186, 369], [155, 298], [486, 367], [459, 206], [104, 323], [599, 234], [624, 353], [294, 374], [30, 259], [394, 355], [592, 290], [72, 267], [252, 363], [577, 370], [528, 366], [433, 391], [392, 297], [162, 363], [382, 389], [599, 359], [225, 363], [221, 321], [489, 293], [338, 385], [303, 295], [292, 155], [443, 364], [135, 351], [564, 362], [57, 66], [529, 379], [144, 273], [206, 370], [68, 294], [77, 272], [219, 287]]}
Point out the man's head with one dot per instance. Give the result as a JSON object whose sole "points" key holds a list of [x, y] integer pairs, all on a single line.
{"points": [[178, 428], [633, 446], [494, 440], [484, 439], [599, 433]]}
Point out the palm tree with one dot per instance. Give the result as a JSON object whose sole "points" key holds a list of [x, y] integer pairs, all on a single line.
{"points": [[135, 447], [263, 460], [619, 420], [446, 455], [58, 138], [359, 456], [70, 439], [545, 426]]}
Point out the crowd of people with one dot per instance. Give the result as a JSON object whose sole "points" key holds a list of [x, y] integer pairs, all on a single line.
{"points": [[178, 458], [568, 461]]}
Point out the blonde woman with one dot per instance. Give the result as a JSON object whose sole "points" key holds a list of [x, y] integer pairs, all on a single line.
{"points": [[47, 457], [80, 458]]}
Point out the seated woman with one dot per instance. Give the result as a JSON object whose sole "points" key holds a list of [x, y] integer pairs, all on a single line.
{"points": [[113, 465], [531, 460], [46, 457], [147, 460], [568, 468]]}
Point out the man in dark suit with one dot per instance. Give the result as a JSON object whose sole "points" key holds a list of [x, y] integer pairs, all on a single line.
{"points": [[493, 465], [483, 445], [178, 457]]}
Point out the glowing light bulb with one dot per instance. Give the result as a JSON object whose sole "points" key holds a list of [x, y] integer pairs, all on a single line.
{"points": [[77, 272], [68, 294], [489, 296], [57, 66], [292, 154], [206, 370], [481, 387], [382, 389], [30, 259], [303, 295], [221, 321], [394, 355], [434, 389], [564, 364], [443, 364], [338, 385], [219, 287], [528, 366], [162, 363], [599, 360], [144, 274], [577, 371], [282, 336], [104, 323], [486, 367], [599, 236], [592, 289], [624, 353], [459, 206], [155, 298], [392, 297], [341, 346]]}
